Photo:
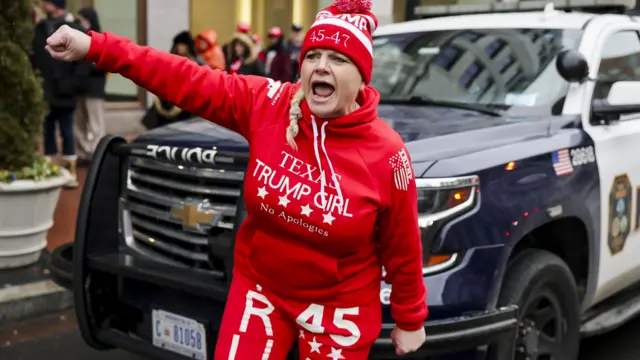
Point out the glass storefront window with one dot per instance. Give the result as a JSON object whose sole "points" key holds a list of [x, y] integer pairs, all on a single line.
{"points": [[121, 17]]}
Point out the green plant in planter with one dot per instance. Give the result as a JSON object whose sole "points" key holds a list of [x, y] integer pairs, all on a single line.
{"points": [[22, 106]]}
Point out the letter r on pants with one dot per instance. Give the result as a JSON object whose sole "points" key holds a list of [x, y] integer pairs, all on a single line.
{"points": [[263, 313]]}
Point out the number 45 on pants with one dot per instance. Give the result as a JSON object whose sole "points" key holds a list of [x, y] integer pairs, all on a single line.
{"points": [[261, 325]]}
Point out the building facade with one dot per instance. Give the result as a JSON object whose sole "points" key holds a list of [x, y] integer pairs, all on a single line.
{"points": [[146, 22]]}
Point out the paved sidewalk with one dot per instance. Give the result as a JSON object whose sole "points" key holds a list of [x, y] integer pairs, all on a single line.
{"points": [[54, 336]]}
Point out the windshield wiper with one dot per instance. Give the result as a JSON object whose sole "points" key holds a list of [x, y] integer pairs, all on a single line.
{"points": [[486, 109]]}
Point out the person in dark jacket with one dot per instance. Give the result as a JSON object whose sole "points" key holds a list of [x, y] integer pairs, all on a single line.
{"points": [[89, 125], [277, 60], [63, 82], [162, 112], [243, 57], [185, 45], [241, 28], [294, 46]]}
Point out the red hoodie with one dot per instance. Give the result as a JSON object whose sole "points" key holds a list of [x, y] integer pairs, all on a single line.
{"points": [[290, 243]]}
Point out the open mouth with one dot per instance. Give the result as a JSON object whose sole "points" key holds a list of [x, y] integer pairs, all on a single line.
{"points": [[322, 90]]}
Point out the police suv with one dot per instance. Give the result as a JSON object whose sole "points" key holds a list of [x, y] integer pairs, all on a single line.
{"points": [[517, 117]]}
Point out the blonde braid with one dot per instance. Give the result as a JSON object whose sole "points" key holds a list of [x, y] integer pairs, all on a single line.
{"points": [[295, 114]]}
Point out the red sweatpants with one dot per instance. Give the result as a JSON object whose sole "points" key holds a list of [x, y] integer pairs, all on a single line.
{"points": [[258, 325]]}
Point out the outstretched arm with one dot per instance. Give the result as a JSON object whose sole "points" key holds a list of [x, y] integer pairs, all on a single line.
{"points": [[212, 94]]}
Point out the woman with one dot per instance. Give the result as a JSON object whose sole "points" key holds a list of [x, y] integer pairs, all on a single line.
{"points": [[241, 28], [277, 60], [243, 57], [209, 49], [324, 212], [184, 45], [89, 125]]}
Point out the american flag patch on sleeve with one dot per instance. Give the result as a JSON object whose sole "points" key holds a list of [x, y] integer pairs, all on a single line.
{"points": [[402, 170]]}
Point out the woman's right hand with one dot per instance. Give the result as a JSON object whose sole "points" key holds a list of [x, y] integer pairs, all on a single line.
{"points": [[68, 44]]}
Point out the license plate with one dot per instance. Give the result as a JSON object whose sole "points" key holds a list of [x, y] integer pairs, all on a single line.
{"points": [[179, 334]]}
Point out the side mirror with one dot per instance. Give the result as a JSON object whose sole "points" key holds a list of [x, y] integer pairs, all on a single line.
{"points": [[622, 99], [572, 66]]}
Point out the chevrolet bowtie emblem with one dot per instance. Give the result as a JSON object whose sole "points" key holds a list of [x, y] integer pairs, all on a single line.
{"points": [[195, 213]]}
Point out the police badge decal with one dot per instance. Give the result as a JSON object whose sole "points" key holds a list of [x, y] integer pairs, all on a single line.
{"points": [[619, 213]]}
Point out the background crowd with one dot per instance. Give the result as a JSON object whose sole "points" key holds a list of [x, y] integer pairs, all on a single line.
{"points": [[75, 92], [243, 54]]}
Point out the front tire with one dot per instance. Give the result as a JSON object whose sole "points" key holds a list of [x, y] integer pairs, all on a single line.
{"points": [[543, 287]]}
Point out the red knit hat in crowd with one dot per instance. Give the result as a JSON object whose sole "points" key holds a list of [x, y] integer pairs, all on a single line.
{"points": [[346, 27]]}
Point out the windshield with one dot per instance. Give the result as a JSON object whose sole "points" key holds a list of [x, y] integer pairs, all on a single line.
{"points": [[504, 68]]}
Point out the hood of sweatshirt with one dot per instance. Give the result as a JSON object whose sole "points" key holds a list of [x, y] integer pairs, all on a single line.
{"points": [[209, 36], [245, 40], [355, 125]]}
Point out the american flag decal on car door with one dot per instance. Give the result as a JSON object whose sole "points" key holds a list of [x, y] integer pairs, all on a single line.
{"points": [[562, 162], [402, 171]]}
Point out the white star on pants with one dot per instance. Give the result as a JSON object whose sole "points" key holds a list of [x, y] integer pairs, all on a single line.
{"points": [[315, 346], [336, 354]]}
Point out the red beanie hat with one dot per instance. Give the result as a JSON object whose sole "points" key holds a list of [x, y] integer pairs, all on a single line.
{"points": [[243, 28], [346, 27]]}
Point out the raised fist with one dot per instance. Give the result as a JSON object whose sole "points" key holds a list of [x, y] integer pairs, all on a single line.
{"points": [[68, 44]]}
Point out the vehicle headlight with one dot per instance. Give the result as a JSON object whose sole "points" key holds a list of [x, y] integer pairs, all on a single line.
{"points": [[439, 201]]}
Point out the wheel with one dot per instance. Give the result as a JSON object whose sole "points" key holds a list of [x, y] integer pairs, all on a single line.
{"points": [[544, 289]]}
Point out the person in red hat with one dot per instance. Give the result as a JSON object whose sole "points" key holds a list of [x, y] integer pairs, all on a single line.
{"points": [[244, 28], [243, 56], [241, 28], [277, 61], [329, 190]]}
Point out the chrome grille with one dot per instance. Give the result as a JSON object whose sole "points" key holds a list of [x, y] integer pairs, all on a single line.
{"points": [[154, 187]]}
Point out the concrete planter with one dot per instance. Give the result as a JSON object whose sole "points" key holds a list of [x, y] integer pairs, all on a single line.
{"points": [[26, 215]]}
